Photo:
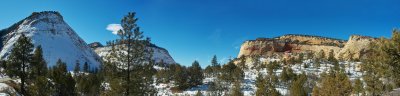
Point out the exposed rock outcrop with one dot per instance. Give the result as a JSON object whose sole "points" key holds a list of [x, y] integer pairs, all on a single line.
{"points": [[287, 45]]}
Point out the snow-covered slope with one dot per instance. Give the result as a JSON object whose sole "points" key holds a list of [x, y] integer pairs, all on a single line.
{"points": [[57, 38], [159, 54]]}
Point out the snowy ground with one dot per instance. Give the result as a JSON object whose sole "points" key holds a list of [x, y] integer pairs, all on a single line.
{"points": [[248, 85]]}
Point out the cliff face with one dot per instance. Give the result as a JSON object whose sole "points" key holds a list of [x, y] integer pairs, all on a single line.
{"points": [[292, 44], [356, 47]]}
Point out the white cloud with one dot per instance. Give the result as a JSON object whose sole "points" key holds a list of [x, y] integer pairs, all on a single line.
{"points": [[114, 28]]}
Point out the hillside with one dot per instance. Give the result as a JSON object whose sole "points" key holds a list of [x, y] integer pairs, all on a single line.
{"points": [[58, 40]]}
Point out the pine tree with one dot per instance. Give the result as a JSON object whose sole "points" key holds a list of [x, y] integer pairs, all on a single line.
{"points": [[301, 58], [132, 57], [236, 90], [19, 60], [297, 88], [230, 73], [261, 86], [64, 83], [86, 67], [198, 93], [383, 66], [331, 56], [39, 66], [77, 68], [321, 54], [179, 74], [40, 85], [358, 87], [334, 84], [271, 85], [196, 74], [215, 66]]}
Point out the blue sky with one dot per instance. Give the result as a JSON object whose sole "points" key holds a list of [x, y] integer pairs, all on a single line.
{"points": [[198, 29]]}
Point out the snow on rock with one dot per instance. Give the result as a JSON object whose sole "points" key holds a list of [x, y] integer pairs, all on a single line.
{"points": [[6, 90], [159, 54], [57, 38]]}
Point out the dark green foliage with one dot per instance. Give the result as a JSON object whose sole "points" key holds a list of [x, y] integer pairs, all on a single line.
{"points": [[40, 86], [382, 71], [86, 67], [64, 84], [88, 85], [77, 68], [215, 66], [266, 86], [261, 86], [198, 93], [236, 90], [131, 60], [298, 86], [333, 84], [195, 74], [38, 64], [358, 87], [19, 60], [179, 77], [231, 73]]}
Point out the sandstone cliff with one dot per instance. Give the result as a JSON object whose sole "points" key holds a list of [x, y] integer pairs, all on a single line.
{"points": [[287, 45]]}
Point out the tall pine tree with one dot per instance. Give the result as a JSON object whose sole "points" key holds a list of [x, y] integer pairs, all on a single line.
{"points": [[132, 57], [19, 60]]}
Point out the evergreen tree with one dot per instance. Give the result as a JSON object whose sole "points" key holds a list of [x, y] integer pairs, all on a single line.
{"points": [[198, 93], [321, 54], [236, 90], [64, 84], [331, 56], [39, 66], [40, 85], [381, 71], [297, 88], [132, 57], [196, 74], [334, 84], [301, 58], [86, 67], [90, 85], [179, 77], [216, 67], [261, 86], [230, 72], [358, 87], [19, 60], [77, 68]]}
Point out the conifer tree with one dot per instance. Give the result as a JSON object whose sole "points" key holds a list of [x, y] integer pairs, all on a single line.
{"points": [[77, 68], [198, 93], [261, 86], [196, 74], [86, 67], [132, 58], [40, 85], [64, 84], [39, 66], [19, 60], [358, 87], [236, 90], [179, 77], [331, 56], [297, 87], [216, 67], [321, 54], [334, 84]]}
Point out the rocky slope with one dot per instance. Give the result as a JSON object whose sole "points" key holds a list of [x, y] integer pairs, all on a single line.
{"points": [[57, 38], [288, 45], [159, 54]]}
